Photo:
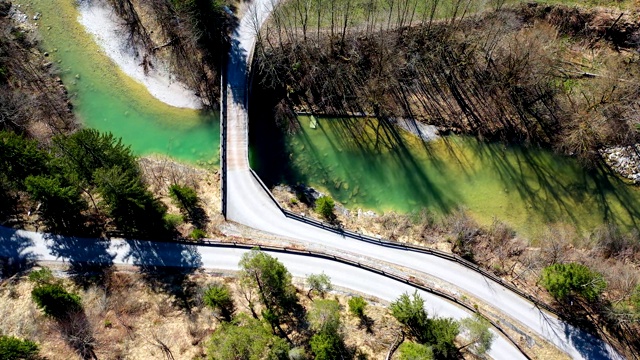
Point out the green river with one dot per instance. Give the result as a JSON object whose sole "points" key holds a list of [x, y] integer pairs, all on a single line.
{"points": [[106, 99], [365, 164], [360, 162]]}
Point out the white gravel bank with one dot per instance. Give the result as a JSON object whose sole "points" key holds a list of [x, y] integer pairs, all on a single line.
{"points": [[100, 21]]}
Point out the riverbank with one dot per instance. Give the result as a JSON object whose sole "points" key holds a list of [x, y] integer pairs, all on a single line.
{"points": [[105, 27]]}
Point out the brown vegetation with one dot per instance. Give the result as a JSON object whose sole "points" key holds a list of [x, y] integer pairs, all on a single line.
{"points": [[555, 76], [33, 100], [127, 318]]}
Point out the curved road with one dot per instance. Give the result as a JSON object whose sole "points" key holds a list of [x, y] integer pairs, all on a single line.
{"points": [[31, 246], [248, 203]]}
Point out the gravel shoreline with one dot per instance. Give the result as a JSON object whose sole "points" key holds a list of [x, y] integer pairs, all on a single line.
{"points": [[100, 21]]}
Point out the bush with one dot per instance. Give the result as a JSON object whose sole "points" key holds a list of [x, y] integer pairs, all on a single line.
{"points": [[413, 351], [184, 197], [172, 220], [320, 283], [198, 234], [326, 346], [12, 348], [324, 207], [357, 306], [563, 280], [218, 298], [41, 276], [55, 301]]}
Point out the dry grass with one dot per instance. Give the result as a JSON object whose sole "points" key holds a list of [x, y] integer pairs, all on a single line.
{"points": [[160, 173], [130, 320]]}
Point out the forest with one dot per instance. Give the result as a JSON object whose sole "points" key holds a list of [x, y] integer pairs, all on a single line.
{"points": [[544, 75]]}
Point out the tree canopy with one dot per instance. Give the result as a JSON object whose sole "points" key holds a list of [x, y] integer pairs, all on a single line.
{"points": [[272, 281], [12, 348], [247, 339]]}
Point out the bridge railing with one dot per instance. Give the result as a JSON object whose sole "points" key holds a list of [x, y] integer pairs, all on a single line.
{"points": [[223, 140]]}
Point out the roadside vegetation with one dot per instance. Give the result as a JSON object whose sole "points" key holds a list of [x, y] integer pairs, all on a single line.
{"points": [[125, 314], [590, 279]]}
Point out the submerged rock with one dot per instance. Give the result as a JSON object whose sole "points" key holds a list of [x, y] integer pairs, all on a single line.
{"points": [[625, 160]]}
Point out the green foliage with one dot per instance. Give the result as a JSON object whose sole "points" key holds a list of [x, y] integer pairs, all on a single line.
{"points": [[326, 346], [88, 150], [410, 312], [414, 351], [197, 234], [357, 305], [62, 205], [438, 333], [320, 283], [563, 280], [184, 197], [218, 297], [20, 158], [249, 339], [441, 335], [324, 316], [55, 301], [129, 203], [173, 220], [42, 276], [324, 207], [476, 335], [271, 279], [12, 348]]}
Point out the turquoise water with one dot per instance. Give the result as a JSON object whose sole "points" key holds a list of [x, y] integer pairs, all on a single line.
{"points": [[367, 164], [106, 99]]}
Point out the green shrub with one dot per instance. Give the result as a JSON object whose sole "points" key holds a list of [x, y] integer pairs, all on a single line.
{"points": [[218, 297], [55, 301], [324, 207], [563, 280], [413, 351], [198, 234], [41, 276], [184, 197], [357, 306], [172, 220], [12, 348]]}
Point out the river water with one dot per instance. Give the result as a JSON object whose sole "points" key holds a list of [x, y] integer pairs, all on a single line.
{"points": [[360, 162], [367, 164], [106, 99]]}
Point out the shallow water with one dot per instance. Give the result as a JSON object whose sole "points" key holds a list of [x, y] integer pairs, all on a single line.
{"points": [[366, 164], [106, 99]]}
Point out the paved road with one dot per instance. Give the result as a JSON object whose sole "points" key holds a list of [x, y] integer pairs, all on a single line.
{"points": [[249, 204], [31, 246]]}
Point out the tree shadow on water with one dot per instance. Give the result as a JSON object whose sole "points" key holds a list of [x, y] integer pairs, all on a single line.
{"points": [[553, 185], [89, 260], [15, 256], [166, 267]]}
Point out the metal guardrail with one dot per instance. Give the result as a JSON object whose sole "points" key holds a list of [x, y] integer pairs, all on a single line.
{"points": [[408, 280], [223, 140], [408, 247]]}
